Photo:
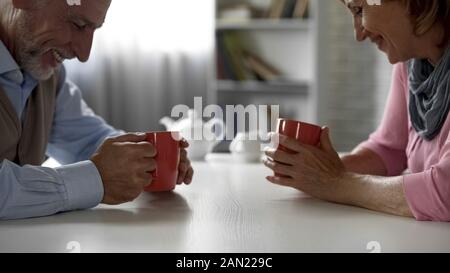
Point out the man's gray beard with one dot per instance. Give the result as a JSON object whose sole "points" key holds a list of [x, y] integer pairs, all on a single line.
{"points": [[28, 55]]}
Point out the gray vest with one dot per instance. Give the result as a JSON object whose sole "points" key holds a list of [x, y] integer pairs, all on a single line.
{"points": [[26, 144]]}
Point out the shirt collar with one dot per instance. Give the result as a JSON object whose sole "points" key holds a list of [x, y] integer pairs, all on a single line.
{"points": [[7, 62]]}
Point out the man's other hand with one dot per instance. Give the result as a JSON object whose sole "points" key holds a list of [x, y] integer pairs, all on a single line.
{"points": [[125, 164]]}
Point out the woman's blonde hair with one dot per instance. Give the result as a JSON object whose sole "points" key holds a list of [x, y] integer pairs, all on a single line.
{"points": [[427, 13]]}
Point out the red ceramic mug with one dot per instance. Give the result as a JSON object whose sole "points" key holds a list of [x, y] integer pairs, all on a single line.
{"points": [[165, 176], [303, 132]]}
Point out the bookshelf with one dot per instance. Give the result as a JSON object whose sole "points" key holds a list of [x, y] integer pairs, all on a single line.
{"points": [[287, 45], [264, 24], [293, 88]]}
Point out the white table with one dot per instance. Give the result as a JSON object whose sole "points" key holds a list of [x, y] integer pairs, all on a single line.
{"points": [[228, 208]]}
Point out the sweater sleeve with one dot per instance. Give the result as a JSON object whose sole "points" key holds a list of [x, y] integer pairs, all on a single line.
{"points": [[428, 192]]}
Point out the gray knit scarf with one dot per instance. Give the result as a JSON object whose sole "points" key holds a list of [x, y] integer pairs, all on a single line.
{"points": [[429, 89]]}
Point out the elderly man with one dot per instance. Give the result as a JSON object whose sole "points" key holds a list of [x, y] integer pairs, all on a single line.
{"points": [[41, 112]]}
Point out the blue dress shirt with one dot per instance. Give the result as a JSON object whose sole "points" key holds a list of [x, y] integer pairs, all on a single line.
{"points": [[33, 191]]}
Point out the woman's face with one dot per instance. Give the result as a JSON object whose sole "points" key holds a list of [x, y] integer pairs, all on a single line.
{"points": [[387, 25]]}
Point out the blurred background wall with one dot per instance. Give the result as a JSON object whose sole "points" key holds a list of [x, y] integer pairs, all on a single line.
{"points": [[149, 56], [356, 79]]}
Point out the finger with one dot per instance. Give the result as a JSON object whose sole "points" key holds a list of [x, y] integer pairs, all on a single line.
{"points": [[182, 170], [149, 180], [132, 194], [138, 150], [279, 168], [282, 181], [146, 149], [189, 176], [291, 143], [325, 141], [130, 137], [146, 164], [145, 178], [184, 144], [183, 155], [280, 156]]}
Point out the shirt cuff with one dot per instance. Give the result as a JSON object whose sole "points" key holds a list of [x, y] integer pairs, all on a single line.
{"points": [[422, 198], [413, 189], [83, 184]]}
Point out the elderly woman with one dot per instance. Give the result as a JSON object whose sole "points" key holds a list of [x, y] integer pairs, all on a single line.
{"points": [[414, 133]]}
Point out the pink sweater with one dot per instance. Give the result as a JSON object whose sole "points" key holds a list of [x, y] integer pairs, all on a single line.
{"points": [[427, 189]]}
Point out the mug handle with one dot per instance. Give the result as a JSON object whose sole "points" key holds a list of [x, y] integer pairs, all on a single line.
{"points": [[151, 137]]}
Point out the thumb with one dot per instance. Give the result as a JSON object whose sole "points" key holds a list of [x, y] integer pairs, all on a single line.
{"points": [[325, 142], [130, 137]]}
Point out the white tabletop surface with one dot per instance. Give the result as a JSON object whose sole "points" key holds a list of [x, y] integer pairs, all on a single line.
{"points": [[228, 208]]}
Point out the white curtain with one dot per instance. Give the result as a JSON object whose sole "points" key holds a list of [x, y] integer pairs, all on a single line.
{"points": [[149, 56]]}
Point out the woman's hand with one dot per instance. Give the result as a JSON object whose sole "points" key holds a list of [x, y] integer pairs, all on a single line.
{"points": [[317, 171]]}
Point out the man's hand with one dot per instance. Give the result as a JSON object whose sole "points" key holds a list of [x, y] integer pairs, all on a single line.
{"points": [[185, 171], [125, 164]]}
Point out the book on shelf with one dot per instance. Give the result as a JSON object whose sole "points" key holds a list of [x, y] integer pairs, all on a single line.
{"points": [[235, 13], [235, 62], [262, 69], [276, 9], [240, 11], [230, 55], [224, 69], [288, 9], [301, 9]]}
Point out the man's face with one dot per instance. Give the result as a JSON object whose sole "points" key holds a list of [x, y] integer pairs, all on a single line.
{"points": [[52, 32]]}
